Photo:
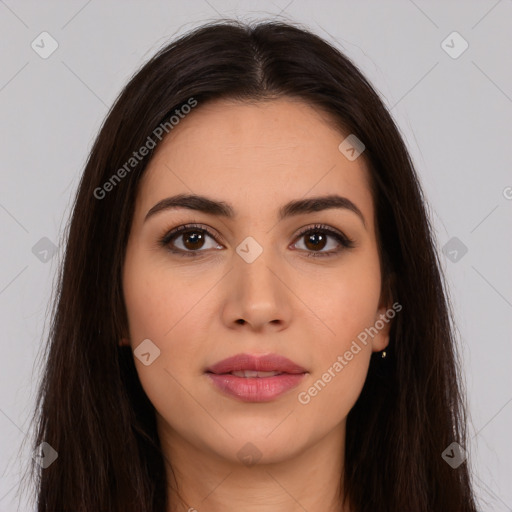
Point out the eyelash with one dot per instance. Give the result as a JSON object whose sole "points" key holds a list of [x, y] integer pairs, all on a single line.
{"points": [[342, 239]]}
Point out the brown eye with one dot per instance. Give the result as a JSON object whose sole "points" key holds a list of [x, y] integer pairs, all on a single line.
{"points": [[193, 240], [188, 240], [317, 238], [316, 241]]}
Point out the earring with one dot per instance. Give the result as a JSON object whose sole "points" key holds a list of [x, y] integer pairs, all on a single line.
{"points": [[383, 354]]}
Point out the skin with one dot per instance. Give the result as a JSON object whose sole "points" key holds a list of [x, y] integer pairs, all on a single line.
{"points": [[256, 157]]}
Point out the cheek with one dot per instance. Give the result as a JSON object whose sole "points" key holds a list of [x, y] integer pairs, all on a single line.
{"points": [[341, 357], [355, 304], [333, 390], [347, 305], [347, 301], [156, 301], [162, 311], [164, 307]]}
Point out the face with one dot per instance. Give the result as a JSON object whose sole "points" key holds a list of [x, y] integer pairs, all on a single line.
{"points": [[301, 284]]}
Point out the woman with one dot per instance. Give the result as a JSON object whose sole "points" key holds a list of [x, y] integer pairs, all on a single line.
{"points": [[251, 313]]}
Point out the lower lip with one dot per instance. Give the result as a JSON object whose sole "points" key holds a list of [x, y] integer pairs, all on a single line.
{"points": [[255, 389]]}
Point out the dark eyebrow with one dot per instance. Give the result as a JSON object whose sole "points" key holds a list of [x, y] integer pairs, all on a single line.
{"points": [[222, 209]]}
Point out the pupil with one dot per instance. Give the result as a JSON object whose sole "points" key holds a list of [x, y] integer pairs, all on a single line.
{"points": [[196, 238], [318, 238]]}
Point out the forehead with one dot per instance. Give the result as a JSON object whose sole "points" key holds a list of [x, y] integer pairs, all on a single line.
{"points": [[258, 154]]}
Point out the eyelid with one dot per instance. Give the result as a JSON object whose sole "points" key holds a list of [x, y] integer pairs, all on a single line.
{"points": [[169, 234], [325, 228], [184, 228]]}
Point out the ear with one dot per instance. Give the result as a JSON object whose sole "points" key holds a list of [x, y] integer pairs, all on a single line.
{"points": [[382, 325], [385, 314], [124, 342]]}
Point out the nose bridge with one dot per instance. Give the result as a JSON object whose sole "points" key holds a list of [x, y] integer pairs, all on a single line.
{"points": [[260, 295], [255, 264]]}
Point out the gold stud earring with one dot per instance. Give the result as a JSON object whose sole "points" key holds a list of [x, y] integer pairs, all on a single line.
{"points": [[383, 354]]}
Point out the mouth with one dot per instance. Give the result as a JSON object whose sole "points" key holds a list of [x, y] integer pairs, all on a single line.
{"points": [[250, 374], [267, 363], [251, 378]]}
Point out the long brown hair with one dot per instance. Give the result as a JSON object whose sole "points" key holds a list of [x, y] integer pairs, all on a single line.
{"points": [[92, 408]]}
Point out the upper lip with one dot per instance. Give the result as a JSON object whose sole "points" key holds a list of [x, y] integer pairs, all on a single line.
{"points": [[263, 363]]}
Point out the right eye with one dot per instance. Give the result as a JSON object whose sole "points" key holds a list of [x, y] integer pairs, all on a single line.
{"points": [[192, 238]]}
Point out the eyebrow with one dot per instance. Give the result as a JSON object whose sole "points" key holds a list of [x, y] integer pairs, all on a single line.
{"points": [[222, 209]]}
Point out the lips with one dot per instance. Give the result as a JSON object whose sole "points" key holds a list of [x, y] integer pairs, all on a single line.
{"points": [[255, 378], [247, 362]]}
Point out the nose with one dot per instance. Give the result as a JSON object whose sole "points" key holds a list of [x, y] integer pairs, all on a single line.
{"points": [[258, 296]]}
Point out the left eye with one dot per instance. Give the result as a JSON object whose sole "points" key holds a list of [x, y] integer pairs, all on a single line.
{"points": [[316, 240], [194, 237]]}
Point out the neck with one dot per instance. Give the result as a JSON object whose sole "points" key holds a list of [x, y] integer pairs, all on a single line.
{"points": [[201, 481]]}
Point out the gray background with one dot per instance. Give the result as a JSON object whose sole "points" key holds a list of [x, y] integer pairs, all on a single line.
{"points": [[454, 114]]}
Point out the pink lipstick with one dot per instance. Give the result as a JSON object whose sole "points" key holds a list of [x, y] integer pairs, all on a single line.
{"points": [[255, 378]]}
